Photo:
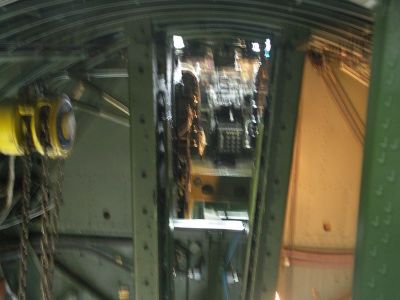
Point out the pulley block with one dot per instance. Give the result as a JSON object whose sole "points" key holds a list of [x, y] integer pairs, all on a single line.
{"points": [[46, 126]]}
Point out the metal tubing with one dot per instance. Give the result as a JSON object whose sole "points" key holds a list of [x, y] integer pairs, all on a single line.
{"points": [[10, 250], [35, 73], [104, 95], [97, 112]]}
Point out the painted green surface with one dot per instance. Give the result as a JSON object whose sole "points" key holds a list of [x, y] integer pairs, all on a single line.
{"points": [[143, 160], [98, 177], [377, 255], [275, 167]]}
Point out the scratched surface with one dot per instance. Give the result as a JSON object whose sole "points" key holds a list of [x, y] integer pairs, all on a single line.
{"points": [[377, 261]]}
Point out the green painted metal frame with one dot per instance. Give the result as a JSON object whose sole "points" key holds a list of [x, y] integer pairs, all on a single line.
{"points": [[377, 252], [252, 209], [166, 188], [142, 76], [275, 166]]}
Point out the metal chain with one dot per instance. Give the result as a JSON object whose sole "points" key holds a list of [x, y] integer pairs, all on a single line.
{"points": [[49, 224], [49, 219], [47, 244], [45, 241], [24, 234], [54, 217]]}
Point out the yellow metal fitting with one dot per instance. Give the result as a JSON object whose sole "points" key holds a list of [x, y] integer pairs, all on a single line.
{"points": [[11, 130], [51, 124]]}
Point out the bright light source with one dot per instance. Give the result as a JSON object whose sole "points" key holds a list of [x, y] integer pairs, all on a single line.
{"points": [[267, 48], [230, 225], [268, 45], [277, 296], [255, 47], [178, 42]]}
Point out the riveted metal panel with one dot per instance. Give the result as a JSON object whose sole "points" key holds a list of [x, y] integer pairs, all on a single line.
{"points": [[377, 262], [104, 209], [143, 160], [326, 173], [275, 168]]}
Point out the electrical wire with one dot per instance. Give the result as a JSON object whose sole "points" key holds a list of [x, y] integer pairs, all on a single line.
{"points": [[233, 245], [10, 189], [232, 248], [11, 179], [34, 213]]}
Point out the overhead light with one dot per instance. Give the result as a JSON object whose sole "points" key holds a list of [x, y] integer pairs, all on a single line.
{"points": [[255, 47], [267, 48], [268, 45], [277, 296], [204, 224], [178, 42]]}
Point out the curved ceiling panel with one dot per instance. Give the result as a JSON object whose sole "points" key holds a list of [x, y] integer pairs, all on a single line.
{"points": [[29, 32]]}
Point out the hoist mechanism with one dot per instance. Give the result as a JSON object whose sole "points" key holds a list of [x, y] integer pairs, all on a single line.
{"points": [[50, 122], [41, 127]]}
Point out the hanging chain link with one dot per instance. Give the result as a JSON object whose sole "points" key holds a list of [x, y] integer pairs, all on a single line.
{"points": [[48, 222], [24, 234], [54, 218], [45, 241]]}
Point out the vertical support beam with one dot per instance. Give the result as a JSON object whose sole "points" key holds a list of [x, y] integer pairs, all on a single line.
{"points": [[275, 168], [142, 78], [378, 242], [215, 266], [166, 184]]}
